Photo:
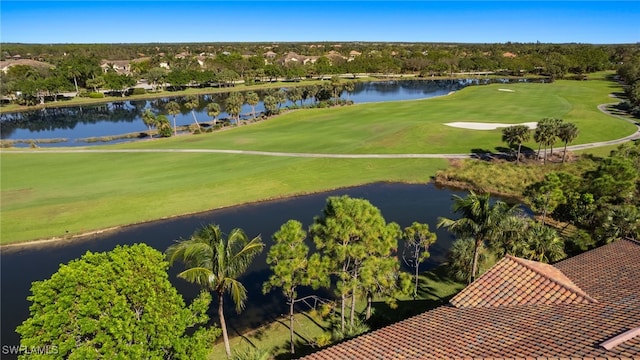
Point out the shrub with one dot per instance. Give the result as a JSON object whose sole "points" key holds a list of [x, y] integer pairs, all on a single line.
{"points": [[138, 91], [96, 95]]}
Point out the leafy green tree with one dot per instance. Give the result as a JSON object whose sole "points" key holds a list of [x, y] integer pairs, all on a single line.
{"points": [[418, 239], [252, 99], [118, 83], [546, 195], [96, 83], [480, 220], [116, 304], [567, 132], [191, 103], [215, 263], [149, 119], [516, 135], [292, 267], [348, 232], [233, 106], [156, 76], [173, 109]]}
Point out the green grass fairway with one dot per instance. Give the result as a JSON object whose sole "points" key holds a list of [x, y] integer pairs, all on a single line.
{"points": [[53, 195]]}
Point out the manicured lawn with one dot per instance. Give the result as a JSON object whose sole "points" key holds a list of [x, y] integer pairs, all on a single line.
{"points": [[47, 195]]}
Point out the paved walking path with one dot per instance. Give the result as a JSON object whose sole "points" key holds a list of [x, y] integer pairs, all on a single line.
{"points": [[602, 107]]}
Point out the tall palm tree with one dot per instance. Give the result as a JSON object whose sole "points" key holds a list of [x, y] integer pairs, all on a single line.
{"points": [[233, 105], [516, 135], [215, 263], [252, 99], [173, 109], [213, 110], [149, 119], [567, 132], [192, 103], [480, 220], [545, 135]]}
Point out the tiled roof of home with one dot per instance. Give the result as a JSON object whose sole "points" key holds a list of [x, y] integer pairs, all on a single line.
{"points": [[610, 275], [515, 281]]}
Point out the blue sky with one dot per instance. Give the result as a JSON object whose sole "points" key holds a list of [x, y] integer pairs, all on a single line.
{"points": [[596, 22]]}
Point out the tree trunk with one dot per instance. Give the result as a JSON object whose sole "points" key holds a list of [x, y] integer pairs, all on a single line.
{"points": [[194, 118], [175, 128], [223, 324], [150, 135], [342, 300], [291, 303], [518, 155], [353, 307], [75, 82], [417, 265], [369, 301], [564, 153], [474, 265], [539, 147]]}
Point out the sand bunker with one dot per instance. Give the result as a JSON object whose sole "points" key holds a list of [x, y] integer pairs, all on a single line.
{"points": [[486, 126], [507, 90]]}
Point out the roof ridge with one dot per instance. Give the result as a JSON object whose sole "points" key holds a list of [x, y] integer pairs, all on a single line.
{"points": [[575, 288]]}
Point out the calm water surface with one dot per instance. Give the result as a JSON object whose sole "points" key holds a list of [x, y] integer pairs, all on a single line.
{"points": [[77, 123], [401, 203]]}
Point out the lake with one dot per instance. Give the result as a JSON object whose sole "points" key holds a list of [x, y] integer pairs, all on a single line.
{"points": [[77, 123], [402, 203]]}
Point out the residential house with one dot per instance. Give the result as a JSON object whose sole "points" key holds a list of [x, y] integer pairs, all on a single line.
{"points": [[587, 306]]}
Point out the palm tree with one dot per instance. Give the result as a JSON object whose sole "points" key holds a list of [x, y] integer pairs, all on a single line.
{"points": [[336, 87], [349, 87], [215, 263], [544, 135], [233, 105], [149, 119], [173, 109], [252, 99], [567, 132], [513, 135], [543, 244], [213, 110], [480, 221], [192, 103]]}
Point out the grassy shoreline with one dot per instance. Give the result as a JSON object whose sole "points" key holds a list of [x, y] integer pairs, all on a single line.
{"points": [[58, 195]]}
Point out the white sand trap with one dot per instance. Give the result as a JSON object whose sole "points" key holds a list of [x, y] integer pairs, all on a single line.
{"points": [[486, 126], [507, 90]]}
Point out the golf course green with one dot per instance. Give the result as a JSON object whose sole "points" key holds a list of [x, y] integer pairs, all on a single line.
{"points": [[56, 195]]}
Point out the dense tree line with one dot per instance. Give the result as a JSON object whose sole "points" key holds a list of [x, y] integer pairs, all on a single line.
{"points": [[77, 67], [629, 73]]}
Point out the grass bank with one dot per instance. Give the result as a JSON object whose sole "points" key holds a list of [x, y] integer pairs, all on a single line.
{"points": [[48, 195]]}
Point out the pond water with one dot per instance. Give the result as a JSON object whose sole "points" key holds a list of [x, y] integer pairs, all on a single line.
{"points": [[76, 124], [402, 203]]}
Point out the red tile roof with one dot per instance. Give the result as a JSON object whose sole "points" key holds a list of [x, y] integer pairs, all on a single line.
{"points": [[515, 281], [610, 275]]}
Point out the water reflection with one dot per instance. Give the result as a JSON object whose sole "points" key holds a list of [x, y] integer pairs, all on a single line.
{"points": [[123, 117]]}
